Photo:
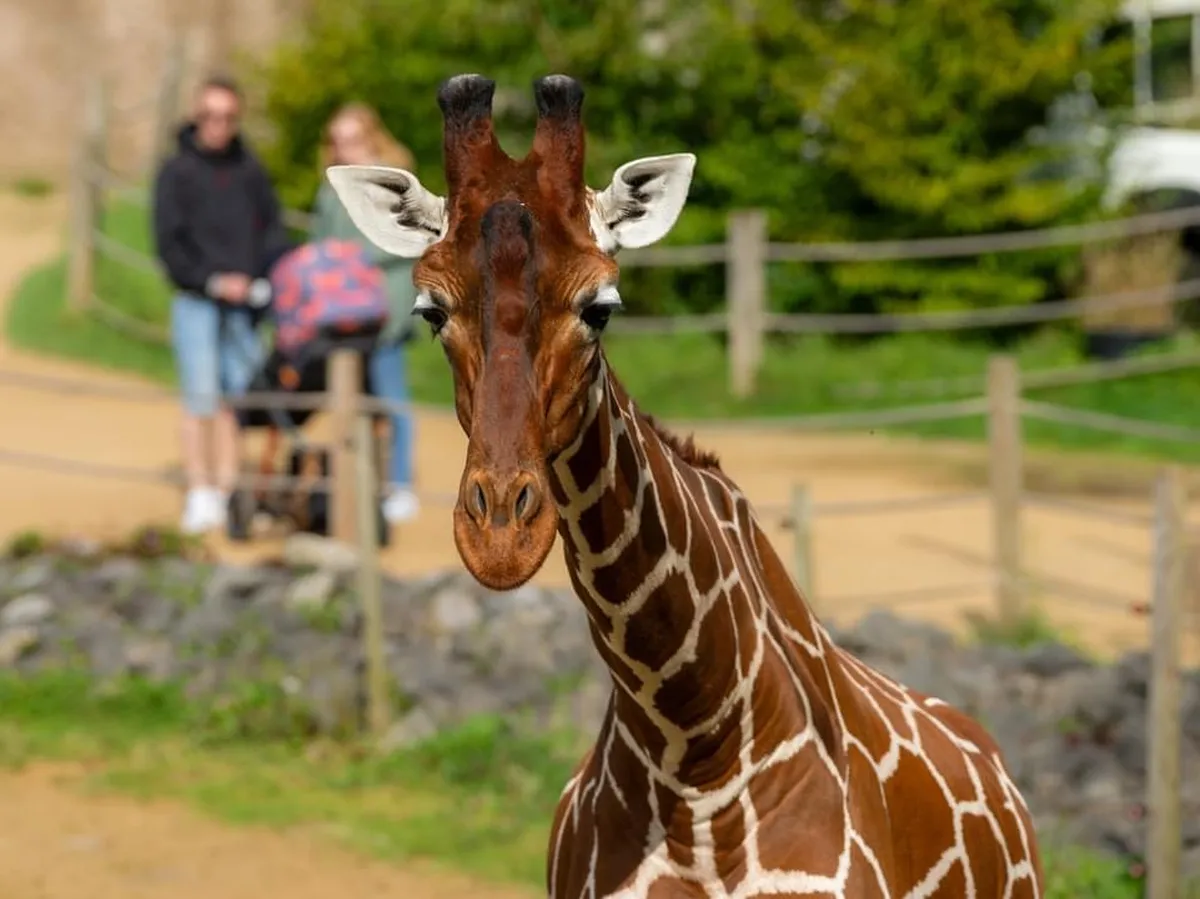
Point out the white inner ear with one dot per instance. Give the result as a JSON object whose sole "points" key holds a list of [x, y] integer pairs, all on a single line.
{"points": [[643, 202], [390, 207]]}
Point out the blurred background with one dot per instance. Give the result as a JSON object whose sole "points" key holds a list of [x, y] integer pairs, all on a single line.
{"points": [[933, 300]]}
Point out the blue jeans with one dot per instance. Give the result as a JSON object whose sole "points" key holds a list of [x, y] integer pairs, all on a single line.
{"points": [[389, 381], [217, 351]]}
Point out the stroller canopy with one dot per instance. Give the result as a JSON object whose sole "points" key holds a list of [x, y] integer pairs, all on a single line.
{"points": [[325, 285]]}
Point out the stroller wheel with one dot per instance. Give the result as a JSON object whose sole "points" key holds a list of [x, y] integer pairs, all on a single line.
{"points": [[239, 515]]}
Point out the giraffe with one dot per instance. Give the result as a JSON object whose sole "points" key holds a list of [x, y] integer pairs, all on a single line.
{"points": [[742, 752]]}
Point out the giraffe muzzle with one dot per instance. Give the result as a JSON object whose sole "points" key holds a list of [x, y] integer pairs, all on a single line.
{"points": [[503, 526]]}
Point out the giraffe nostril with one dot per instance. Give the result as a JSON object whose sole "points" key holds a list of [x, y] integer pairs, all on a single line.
{"points": [[480, 500], [524, 503]]}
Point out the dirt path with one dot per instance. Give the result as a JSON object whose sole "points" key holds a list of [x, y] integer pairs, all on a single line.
{"points": [[54, 843]]}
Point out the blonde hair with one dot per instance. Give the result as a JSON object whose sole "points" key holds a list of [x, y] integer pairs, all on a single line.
{"points": [[386, 149]]}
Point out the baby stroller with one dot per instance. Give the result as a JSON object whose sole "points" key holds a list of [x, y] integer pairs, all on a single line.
{"points": [[324, 296]]}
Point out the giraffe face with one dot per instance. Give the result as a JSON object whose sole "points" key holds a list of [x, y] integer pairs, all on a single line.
{"points": [[517, 280]]}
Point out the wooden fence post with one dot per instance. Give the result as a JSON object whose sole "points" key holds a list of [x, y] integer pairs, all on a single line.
{"points": [[343, 381], [1005, 468], [745, 297], [166, 110], [369, 585], [86, 196], [1163, 842], [802, 525]]}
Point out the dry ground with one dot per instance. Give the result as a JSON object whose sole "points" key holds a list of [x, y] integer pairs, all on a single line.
{"points": [[54, 843]]}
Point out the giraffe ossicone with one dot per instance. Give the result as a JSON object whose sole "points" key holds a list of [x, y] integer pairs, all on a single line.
{"points": [[742, 753]]}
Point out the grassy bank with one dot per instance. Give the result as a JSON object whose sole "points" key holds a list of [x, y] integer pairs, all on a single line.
{"points": [[479, 799], [681, 376]]}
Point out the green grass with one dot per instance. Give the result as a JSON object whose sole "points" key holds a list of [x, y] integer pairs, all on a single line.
{"points": [[32, 186], [477, 799], [681, 376]]}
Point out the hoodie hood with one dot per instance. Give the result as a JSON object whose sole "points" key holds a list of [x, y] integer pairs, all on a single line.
{"points": [[188, 144]]}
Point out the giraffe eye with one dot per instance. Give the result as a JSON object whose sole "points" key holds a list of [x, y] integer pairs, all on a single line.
{"points": [[436, 318], [433, 312], [596, 316], [600, 307]]}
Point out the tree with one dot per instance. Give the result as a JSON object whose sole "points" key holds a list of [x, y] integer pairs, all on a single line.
{"points": [[846, 119], [919, 114]]}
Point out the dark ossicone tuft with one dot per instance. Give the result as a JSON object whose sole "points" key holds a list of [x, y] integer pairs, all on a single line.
{"points": [[466, 98], [558, 97]]}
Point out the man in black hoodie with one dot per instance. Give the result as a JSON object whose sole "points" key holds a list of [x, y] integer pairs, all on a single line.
{"points": [[218, 228]]}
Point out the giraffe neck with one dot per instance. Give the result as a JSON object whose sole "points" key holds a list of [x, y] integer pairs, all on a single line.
{"points": [[659, 553]]}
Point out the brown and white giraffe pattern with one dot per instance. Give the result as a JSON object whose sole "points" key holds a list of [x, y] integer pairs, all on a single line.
{"points": [[825, 789]]}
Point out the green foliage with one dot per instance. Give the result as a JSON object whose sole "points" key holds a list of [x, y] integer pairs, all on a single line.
{"points": [[159, 541], [328, 617], [855, 121], [25, 544], [1074, 874], [39, 320], [1032, 628], [32, 186], [259, 710]]}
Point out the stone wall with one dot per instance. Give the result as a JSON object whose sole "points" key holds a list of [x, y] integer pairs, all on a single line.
{"points": [[1073, 732], [48, 48]]}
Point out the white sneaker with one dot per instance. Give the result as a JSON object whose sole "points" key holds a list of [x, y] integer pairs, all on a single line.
{"points": [[218, 508], [400, 506], [204, 509], [197, 511]]}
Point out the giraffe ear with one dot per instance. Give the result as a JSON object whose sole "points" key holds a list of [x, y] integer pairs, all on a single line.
{"points": [[643, 201], [390, 207]]}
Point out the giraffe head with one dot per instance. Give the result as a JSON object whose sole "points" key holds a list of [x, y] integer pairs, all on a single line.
{"points": [[516, 278]]}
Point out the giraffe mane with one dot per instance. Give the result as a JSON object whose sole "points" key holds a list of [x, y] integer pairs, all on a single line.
{"points": [[684, 447]]}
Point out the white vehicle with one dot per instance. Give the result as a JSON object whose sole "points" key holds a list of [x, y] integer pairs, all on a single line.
{"points": [[1156, 153]]}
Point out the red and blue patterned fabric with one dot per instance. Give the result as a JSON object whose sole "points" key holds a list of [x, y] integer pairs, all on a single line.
{"points": [[325, 285]]}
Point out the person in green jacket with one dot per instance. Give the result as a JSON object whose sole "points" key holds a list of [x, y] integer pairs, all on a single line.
{"points": [[356, 136]]}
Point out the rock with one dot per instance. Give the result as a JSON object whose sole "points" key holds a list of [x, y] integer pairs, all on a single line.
{"points": [[235, 582], [30, 609], [312, 591], [314, 551], [415, 727], [80, 547], [119, 575], [453, 610], [33, 576], [589, 703], [16, 643], [1190, 864], [150, 658], [333, 694], [1053, 659]]}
